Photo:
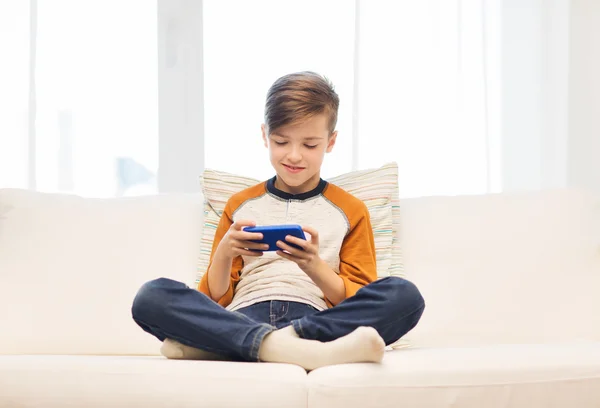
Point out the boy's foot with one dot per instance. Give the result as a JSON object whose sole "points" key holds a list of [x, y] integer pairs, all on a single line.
{"points": [[175, 350], [363, 345]]}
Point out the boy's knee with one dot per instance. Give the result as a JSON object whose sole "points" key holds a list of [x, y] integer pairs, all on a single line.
{"points": [[406, 294], [150, 299]]}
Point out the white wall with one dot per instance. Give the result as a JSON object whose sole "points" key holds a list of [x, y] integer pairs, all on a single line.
{"points": [[521, 82], [180, 101], [584, 95]]}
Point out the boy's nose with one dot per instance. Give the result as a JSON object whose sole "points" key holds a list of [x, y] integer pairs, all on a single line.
{"points": [[294, 156]]}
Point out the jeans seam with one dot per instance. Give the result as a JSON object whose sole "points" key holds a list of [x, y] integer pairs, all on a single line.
{"points": [[258, 338], [299, 324], [266, 328], [274, 317]]}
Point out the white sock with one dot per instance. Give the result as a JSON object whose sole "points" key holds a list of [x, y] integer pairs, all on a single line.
{"points": [[175, 350], [284, 346]]}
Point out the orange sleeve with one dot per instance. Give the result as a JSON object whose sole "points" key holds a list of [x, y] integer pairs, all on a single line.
{"points": [[358, 261], [236, 265]]}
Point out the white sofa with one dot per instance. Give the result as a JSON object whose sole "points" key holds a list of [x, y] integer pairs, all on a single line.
{"points": [[511, 281]]}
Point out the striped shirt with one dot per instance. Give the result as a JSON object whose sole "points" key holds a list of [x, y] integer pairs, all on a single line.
{"points": [[346, 244]]}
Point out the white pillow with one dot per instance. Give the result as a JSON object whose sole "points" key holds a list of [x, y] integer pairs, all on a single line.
{"points": [[377, 188]]}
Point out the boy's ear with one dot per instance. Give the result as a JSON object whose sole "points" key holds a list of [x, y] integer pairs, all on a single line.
{"points": [[331, 142], [264, 134]]}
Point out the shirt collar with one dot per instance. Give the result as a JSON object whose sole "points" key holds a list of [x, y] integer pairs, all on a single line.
{"points": [[302, 196]]}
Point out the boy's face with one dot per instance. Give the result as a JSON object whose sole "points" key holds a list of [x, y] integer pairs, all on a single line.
{"points": [[297, 152]]}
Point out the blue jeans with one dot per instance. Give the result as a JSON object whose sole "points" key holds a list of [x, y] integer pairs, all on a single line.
{"points": [[169, 309]]}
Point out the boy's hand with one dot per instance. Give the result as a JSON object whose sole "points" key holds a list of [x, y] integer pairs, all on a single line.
{"points": [[238, 242], [307, 258]]}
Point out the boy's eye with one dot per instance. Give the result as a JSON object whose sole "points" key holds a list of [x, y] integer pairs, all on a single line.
{"points": [[311, 146], [279, 143]]}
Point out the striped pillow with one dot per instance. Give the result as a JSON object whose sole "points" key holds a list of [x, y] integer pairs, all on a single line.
{"points": [[377, 188]]}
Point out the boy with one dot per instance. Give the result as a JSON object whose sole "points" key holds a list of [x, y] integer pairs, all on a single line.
{"points": [[315, 306]]}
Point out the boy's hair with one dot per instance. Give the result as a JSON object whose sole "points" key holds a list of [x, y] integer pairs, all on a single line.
{"points": [[296, 97]]}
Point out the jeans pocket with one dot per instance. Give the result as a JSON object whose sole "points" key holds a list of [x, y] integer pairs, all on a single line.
{"points": [[278, 311]]}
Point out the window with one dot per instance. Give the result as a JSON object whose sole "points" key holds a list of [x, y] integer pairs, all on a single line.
{"points": [[97, 91]]}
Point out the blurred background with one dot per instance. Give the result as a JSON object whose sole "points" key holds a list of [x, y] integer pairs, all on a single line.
{"points": [[129, 97]]}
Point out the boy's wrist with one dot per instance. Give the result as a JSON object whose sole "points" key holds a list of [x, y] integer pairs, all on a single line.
{"points": [[319, 266], [328, 281], [221, 256]]}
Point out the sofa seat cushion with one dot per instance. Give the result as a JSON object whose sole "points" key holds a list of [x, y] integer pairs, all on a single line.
{"points": [[122, 381], [532, 376]]}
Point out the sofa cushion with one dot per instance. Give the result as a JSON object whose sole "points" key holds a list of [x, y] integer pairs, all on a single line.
{"points": [[377, 188], [507, 376], [70, 268], [103, 381], [505, 268]]}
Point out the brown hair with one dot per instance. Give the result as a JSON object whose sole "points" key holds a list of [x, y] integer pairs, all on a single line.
{"points": [[296, 97]]}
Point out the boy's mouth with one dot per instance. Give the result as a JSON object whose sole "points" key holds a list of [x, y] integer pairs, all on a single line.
{"points": [[293, 169]]}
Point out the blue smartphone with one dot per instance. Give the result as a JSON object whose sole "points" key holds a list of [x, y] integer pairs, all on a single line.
{"points": [[274, 233]]}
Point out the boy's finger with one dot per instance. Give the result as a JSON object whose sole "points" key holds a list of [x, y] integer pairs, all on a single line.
{"points": [[286, 256], [292, 251], [313, 234], [297, 241], [254, 245], [248, 236], [249, 252], [240, 224]]}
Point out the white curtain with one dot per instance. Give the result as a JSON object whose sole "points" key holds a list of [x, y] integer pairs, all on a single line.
{"points": [[422, 94], [79, 100], [247, 46]]}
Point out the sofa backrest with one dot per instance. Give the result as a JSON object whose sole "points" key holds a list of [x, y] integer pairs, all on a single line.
{"points": [[70, 268], [493, 269], [505, 268]]}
